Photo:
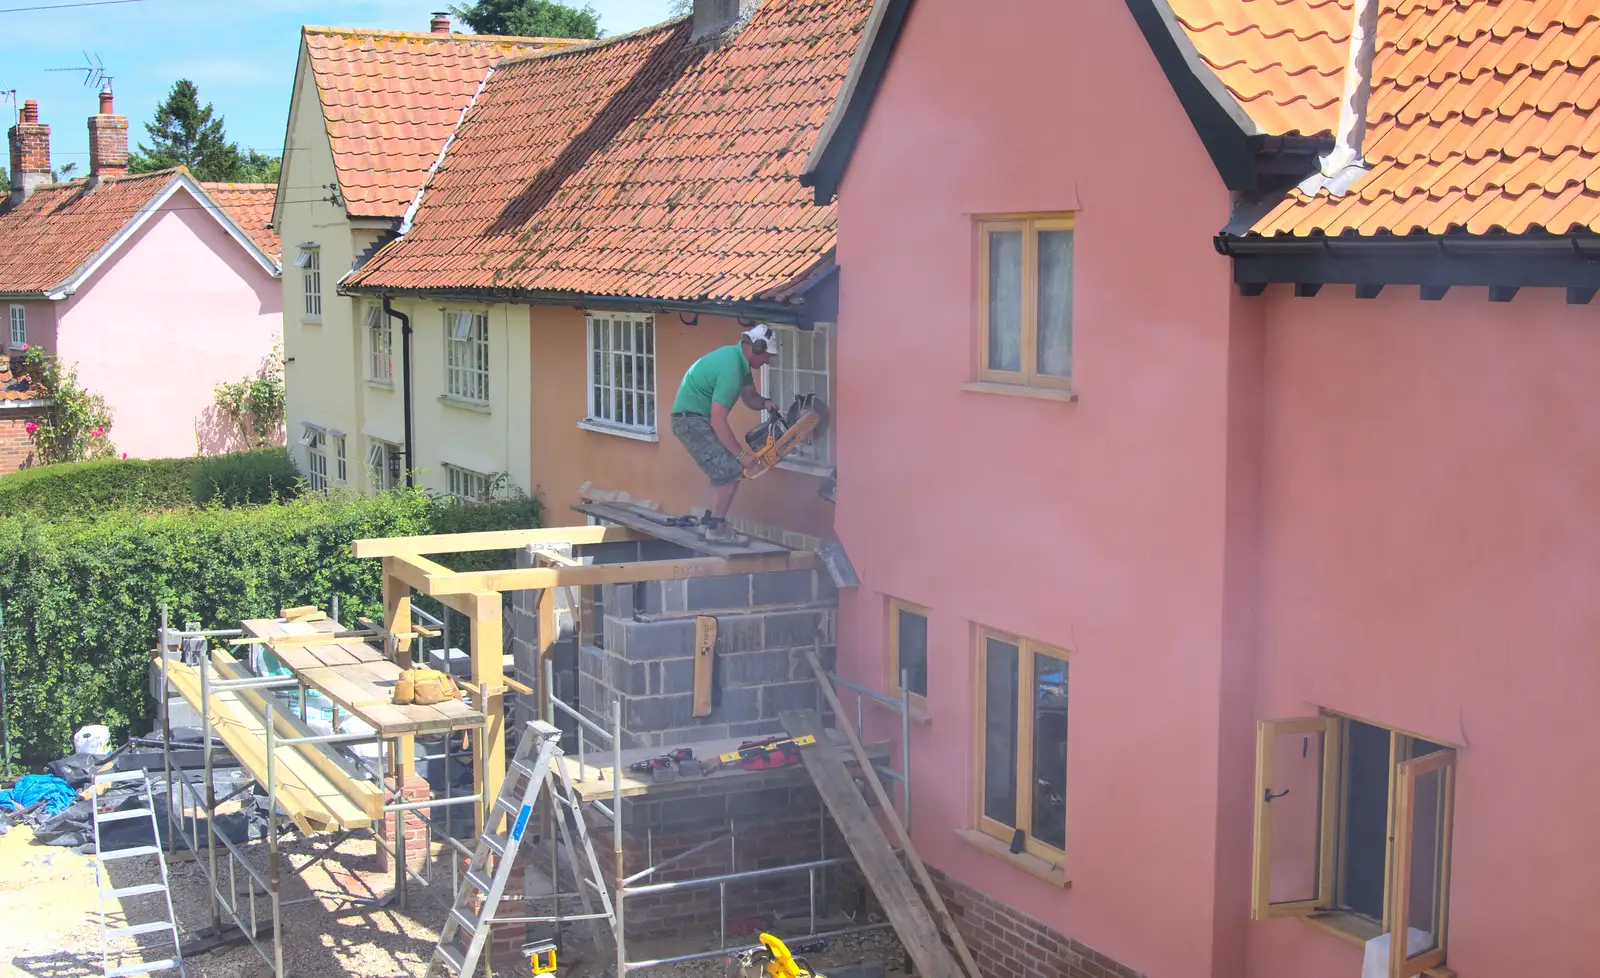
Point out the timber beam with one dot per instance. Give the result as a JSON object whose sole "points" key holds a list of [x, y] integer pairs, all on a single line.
{"points": [[434, 580], [457, 543]]}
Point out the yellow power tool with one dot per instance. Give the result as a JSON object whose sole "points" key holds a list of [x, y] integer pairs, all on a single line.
{"points": [[774, 960]]}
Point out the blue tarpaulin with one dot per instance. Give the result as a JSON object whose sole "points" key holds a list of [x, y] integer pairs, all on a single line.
{"points": [[57, 794]]}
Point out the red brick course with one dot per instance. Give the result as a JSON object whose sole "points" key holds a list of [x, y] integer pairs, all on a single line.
{"points": [[16, 445], [413, 788], [1008, 943]]}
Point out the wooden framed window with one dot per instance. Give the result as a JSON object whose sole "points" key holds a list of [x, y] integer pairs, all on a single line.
{"points": [[380, 346], [802, 367], [1025, 301], [19, 327], [466, 356], [622, 371], [309, 261], [1352, 829], [1022, 752], [908, 649]]}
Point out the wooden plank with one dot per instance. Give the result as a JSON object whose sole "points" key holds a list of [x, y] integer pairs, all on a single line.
{"points": [[366, 795], [535, 578], [705, 650], [899, 899], [655, 524], [312, 801], [458, 543], [842, 720]]}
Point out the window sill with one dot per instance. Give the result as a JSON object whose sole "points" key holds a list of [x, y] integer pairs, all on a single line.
{"points": [[1026, 862], [818, 469], [1017, 390], [382, 385], [308, 321], [477, 407], [919, 709], [605, 428], [1358, 930]]}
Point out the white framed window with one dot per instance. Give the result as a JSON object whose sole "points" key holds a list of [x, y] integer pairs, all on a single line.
{"points": [[315, 440], [380, 346], [19, 327], [309, 261], [802, 368], [379, 455], [466, 355], [466, 485], [341, 465], [622, 370]]}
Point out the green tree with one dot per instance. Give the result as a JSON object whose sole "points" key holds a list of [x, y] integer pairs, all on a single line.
{"points": [[530, 18], [258, 167], [185, 132], [5, 182]]}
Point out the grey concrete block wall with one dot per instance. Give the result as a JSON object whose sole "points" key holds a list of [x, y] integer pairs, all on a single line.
{"points": [[644, 652], [765, 625]]}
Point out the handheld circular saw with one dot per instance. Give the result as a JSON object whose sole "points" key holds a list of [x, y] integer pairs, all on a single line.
{"points": [[780, 434]]}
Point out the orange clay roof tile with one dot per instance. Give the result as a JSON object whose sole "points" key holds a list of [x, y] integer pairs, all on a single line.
{"points": [[250, 206], [17, 389], [1282, 60], [60, 226], [643, 166], [391, 98], [1482, 119]]}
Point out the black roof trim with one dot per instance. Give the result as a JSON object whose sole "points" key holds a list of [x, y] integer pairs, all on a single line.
{"points": [[790, 313], [1233, 150], [1502, 262], [825, 169]]}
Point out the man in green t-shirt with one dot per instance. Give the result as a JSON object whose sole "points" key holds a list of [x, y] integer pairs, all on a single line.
{"points": [[700, 418]]}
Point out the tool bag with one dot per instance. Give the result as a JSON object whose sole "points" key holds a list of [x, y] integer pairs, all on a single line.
{"points": [[762, 755], [425, 687]]}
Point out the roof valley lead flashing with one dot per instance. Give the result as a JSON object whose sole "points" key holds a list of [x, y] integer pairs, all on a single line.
{"points": [[1345, 164]]}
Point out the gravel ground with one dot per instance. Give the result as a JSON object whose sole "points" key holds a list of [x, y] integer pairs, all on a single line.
{"points": [[49, 910]]}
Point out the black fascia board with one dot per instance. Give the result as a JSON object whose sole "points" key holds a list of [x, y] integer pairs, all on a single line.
{"points": [[782, 313], [828, 173], [1496, 261], [1233, 151]]}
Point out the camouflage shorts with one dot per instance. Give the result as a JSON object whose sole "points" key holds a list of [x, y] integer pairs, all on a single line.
{"points": [[713, 457]]}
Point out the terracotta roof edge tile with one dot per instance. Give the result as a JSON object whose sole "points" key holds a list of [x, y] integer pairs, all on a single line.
{"points": [[594, 45], [431, 36]]}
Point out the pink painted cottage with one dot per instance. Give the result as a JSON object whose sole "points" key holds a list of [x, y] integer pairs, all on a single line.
{"points": [[156, 286], [1231, 365]]}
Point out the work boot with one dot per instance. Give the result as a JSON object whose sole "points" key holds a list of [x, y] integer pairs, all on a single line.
{"points": [[716, 530]]}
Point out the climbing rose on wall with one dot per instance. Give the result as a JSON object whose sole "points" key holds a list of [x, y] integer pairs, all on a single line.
{"points": [[74, 429]]}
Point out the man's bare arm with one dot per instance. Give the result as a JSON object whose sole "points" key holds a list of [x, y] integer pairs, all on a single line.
{"points": [[724, 429], [753, 399]]}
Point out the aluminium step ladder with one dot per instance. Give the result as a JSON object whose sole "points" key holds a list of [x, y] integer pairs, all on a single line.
{"points": [[535, 767], [109, 933]]}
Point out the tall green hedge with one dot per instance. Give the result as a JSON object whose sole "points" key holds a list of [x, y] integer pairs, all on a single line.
{"points": [[81, 489], [82, 599], [78, 488]]}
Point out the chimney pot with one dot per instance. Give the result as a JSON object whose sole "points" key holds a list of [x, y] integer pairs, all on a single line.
{"points": [[440, 23], [30, 153], [108, 142]]}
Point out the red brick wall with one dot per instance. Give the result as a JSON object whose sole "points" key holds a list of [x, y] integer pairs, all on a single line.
{"points": [[1009, 944], [16, 446]]}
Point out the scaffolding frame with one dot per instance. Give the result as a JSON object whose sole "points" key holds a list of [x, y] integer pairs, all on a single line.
{"points": [[478, 595]]}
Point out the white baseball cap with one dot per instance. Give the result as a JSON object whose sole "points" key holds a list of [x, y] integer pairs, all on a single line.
{"points": [[761, 331]]}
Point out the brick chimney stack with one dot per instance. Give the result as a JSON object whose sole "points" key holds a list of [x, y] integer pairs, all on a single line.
{"points": [[714, 17], [108, 142], [30, 153], [440, 24]]}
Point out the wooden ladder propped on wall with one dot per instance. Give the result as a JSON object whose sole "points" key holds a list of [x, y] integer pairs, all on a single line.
{"points": [[908, 911]]}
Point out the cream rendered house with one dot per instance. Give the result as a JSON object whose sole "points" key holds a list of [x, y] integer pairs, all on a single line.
{"points": [[370, 112]]}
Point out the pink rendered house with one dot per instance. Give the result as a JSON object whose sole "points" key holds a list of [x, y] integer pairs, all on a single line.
{"points": [[155, 286], [1236, 361]]}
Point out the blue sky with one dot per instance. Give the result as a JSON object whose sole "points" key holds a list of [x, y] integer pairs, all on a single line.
{"points": [[241, 54]]}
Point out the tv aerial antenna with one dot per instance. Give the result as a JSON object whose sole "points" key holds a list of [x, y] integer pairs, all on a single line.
{"points": [[94, 72]]}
